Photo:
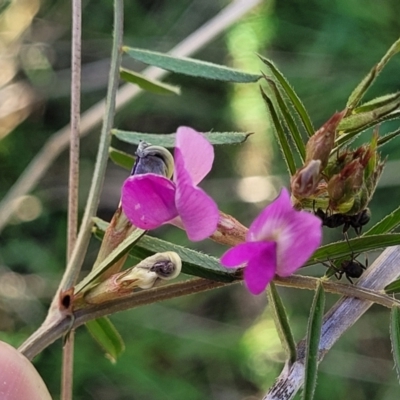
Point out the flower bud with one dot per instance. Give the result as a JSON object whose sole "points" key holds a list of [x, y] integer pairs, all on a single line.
{"points": [[153, 159], [320, 145], [305, 181], [145, 275], [343, 187]]}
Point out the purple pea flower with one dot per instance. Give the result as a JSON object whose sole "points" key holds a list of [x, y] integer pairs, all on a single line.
{"points": [[279, 241], [150, 200]]}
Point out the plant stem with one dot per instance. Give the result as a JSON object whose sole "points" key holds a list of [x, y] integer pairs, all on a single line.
{"points": [[73, 186], [79, 251], [67, 367], [47, 334]]}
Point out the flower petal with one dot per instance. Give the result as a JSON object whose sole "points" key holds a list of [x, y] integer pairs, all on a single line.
{"points": [[272, 219], [241, 253], [196, 154], [298, 241], [261, 268], [148, 200], [261, 263], [296, 233], [198, 211]]}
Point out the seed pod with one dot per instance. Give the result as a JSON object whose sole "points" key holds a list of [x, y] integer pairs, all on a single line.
{"points": [[144, 275], [165, 266]]}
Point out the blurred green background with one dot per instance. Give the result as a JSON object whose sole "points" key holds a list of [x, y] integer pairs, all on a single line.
{"points": [[216, 345]]}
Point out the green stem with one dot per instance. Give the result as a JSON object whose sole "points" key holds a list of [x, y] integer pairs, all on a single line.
{"points": [[79, 252]]}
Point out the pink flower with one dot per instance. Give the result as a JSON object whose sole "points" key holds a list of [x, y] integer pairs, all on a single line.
{"points": [[279, 241], [150, 200]]}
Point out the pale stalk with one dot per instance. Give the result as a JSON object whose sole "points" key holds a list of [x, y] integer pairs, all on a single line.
{"points": [[73, 185]]}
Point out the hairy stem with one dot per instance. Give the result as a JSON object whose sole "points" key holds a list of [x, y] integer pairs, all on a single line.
{"points": [[73, 186]]}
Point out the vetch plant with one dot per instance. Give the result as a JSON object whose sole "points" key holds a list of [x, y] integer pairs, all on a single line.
{"points": [[331, 183]]}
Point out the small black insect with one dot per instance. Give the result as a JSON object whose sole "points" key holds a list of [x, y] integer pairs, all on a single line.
{"points": [[350, 268], [356, 221]]}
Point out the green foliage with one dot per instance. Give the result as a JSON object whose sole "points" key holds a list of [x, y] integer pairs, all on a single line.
{"points": [[108, 338], [292, 96], [364, 85], [168, 139], [312, 345], [282, 323], [190, 66], [387, 224], [281, 137], [148, 84], [357, 245], [113, 257], [121, 158], [291, 124]]}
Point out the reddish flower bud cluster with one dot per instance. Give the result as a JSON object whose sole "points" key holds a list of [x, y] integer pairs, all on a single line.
{"points": [[342, 182], [318, 149]]}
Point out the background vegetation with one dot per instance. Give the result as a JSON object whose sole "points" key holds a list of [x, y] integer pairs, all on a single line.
{"points": [[215, 345]]}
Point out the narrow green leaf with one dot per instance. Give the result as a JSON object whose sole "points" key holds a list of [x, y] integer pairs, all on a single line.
{"points": [[290, 123], [385, 225], [395, 338], [121, 158], [360, 120], [361, 89], [346, 138], [282, 322], [106, 335], [280, 135], [150, 85], [193, 262], [312, 345], [393, 287], [168, 139], [388, 137], [297, 104], [377, 103], [114, 256], [190, 66], [356, 245], [363, 86]]}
